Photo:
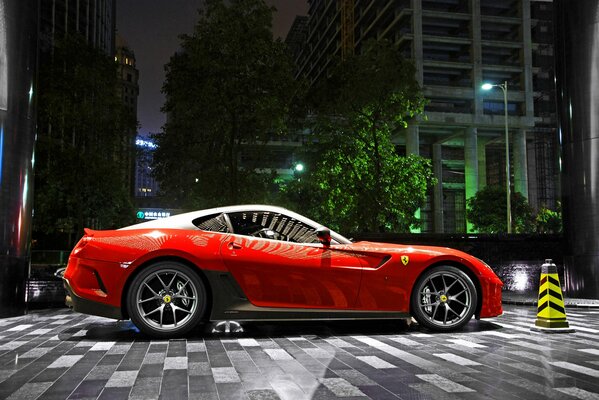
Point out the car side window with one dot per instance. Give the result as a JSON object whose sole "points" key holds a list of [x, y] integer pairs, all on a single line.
{"points": [[272, 225], [212, 223]]}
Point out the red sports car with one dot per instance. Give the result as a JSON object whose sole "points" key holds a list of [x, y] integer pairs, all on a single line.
{"points": [[259, 262]]}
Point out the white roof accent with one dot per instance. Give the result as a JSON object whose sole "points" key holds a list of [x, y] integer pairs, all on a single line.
{"points": [[184, 221]]}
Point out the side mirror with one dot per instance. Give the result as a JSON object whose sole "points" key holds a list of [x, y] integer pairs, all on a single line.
{"points": [[324, 235]]}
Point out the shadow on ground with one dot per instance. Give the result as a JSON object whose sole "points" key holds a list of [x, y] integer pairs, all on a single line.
{"points": [[126, 330]]}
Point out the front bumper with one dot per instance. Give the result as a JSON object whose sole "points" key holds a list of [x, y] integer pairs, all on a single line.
{"points": [[491, 303], [86, 306]]}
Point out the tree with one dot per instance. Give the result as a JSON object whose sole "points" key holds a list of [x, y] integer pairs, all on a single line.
{"points": [[487, 211], [230, 86], [362, 182], [549, 221], [83, 137]]}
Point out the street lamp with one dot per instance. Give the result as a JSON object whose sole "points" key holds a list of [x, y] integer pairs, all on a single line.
{"points": [[503, 87]]}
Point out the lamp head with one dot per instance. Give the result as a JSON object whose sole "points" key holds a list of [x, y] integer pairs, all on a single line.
{"points": [[487, 86]]}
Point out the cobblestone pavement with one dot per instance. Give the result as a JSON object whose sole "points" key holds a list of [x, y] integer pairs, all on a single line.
{"points": [[58, 354]]}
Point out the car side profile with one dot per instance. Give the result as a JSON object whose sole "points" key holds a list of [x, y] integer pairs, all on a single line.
{"points": [[257, 262]]}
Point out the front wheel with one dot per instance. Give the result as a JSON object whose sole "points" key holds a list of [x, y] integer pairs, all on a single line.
{"points": [[443, 299], [166, 299]]}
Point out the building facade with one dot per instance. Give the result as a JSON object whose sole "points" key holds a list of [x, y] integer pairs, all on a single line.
{"points": [[95, 20], [456, 46]]}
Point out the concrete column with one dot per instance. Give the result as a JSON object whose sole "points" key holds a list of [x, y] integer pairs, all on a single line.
{"points": [[470, 167], [412, 140], [477, 56], [482, 162], [520, 164], [577, 73], [438, 189], [527, 58], [413, 147], [417, 41], [18, 91]]}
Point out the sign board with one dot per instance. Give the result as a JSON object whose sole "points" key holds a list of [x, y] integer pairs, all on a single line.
{"points": [[153, 213]]}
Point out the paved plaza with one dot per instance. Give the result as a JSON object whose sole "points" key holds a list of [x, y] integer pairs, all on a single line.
{"points": [[58, 354]]}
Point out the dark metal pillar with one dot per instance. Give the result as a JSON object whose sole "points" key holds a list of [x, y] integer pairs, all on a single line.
{"points": [[577, 83], [18, 54]]}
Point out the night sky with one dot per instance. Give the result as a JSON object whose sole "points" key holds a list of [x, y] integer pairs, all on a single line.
{"points": [[150, 28]]}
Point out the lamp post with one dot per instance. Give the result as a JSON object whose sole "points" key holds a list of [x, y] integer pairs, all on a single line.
{"points": [[503, 87]]}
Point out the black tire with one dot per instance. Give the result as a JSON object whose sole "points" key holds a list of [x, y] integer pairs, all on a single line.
{"points": [[166, 299], [443, 299]]}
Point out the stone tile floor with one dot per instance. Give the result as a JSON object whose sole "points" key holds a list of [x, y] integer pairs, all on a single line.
{"points": [[58, 354], [531, 299]]}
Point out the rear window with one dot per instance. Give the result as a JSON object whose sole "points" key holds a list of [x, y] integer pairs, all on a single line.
{"points": [[212, 223]]}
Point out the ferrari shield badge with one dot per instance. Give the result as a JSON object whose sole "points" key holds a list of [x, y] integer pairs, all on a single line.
{"points": [[405, 260]]}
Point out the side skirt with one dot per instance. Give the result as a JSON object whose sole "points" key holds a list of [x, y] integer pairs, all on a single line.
{"points": [[230, 303]]}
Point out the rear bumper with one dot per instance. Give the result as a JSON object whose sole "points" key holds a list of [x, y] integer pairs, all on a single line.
{"points": [[86, 306]]}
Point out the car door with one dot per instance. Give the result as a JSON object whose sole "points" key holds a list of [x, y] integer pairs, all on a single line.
{"points": [[276, 272]]}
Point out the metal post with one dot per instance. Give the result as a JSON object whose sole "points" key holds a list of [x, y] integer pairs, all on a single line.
{"points": [[507, 159]]}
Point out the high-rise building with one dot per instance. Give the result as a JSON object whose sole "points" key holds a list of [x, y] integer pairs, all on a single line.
{"points": [[456, 46], [94, 20], [128, 76], [145, 183]]}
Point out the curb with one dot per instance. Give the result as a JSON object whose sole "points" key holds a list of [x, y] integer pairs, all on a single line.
{"points": [[534, 303]]}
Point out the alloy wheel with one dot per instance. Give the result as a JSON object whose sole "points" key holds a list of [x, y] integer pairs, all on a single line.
{"points": [[167, 299]]}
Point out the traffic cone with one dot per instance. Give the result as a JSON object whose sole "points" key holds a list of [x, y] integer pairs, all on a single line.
{"points": [[551, 311]]}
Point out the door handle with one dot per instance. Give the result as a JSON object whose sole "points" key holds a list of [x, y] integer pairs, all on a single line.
{"points": [[234, 246]]}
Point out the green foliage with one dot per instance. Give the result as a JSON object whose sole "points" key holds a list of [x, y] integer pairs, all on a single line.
{"points": [[487, 211], [230, 86], [549, 221], [84, 134], [358, 182]]}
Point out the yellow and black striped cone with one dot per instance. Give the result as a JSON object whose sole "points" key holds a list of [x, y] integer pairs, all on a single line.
{"points": [[551, 311]]}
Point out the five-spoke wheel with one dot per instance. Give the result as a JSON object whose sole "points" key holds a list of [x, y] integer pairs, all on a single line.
{"points": [[444, 298], [166, 299]]}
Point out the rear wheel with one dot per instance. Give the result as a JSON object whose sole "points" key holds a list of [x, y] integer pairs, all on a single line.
{"points": [[166, 299], [444, 299]]}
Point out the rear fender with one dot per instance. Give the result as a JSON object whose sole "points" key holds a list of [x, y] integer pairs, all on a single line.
{"points": [[150, 259]]}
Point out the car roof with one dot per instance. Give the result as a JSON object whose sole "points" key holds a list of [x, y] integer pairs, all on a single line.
{"points": [[185, 221]]}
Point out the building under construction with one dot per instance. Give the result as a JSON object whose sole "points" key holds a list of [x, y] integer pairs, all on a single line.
{"points": [[456, 46]]}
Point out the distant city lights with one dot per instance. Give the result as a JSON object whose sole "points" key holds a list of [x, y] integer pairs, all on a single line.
{"points": [[145, 143]]}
